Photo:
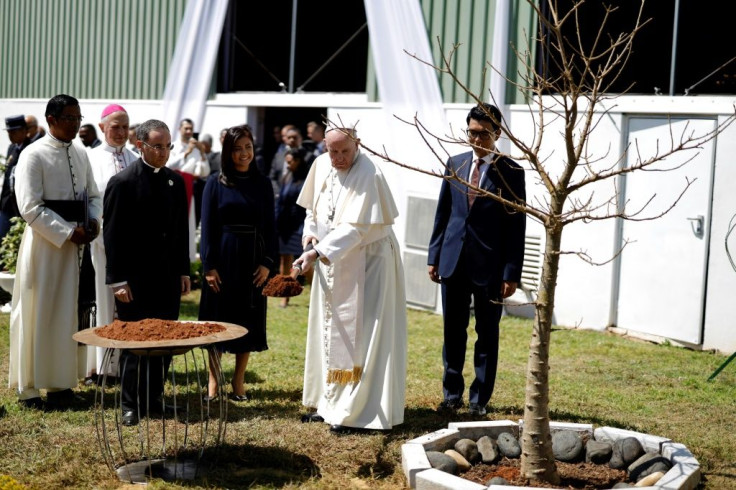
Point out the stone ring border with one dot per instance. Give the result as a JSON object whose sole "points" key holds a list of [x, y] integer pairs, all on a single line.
{"points": [[684, 474]]}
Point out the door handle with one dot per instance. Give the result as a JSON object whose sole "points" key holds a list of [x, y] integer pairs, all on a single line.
{"points": [[697, 225]]}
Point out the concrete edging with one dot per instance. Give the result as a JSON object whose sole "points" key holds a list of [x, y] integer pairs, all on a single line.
{"points": [[684, 474]]}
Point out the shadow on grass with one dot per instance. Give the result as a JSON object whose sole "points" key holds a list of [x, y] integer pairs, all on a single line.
{"points": [[244, 466]]}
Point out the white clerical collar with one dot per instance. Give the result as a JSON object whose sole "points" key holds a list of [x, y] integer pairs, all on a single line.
{"points": [[112, 149], [57, 142], [486, 159], [155, 169]]}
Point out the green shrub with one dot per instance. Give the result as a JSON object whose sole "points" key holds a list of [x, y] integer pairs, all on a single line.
{"points": [[10, 244], [195, 272]]}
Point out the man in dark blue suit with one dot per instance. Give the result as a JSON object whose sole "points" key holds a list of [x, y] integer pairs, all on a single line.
{"points": [[476, 250]]}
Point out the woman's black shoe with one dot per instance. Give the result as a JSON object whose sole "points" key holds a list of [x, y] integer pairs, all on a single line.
{"points": [[312, 417], [34, 403]]}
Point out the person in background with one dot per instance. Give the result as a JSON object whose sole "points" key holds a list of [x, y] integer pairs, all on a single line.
{"points": [[239, 250], [277, 168], [289, 215], [108, 159], [355, 366], [132, 138], [199, 182], [188, 159], [476, 251], [18, 134], [216, 156], [88, 136], [35, 131], [55, 191], [316, 138], [147, 253]]}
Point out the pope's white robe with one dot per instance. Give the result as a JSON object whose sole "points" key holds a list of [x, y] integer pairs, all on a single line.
{"points": [[194, 165], [355, 368], [106, 161], [44, 313]]}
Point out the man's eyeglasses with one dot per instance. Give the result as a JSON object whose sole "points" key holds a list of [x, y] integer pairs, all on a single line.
{"points": [[159, 148], [483, 135], [70, 118]]}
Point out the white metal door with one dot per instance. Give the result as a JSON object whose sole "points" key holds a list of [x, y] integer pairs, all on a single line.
{"points": [[663, 269]]}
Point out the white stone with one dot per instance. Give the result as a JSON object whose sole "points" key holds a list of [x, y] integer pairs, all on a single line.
{"points": [[462, 463], [678, 453], [649, 442], [476, 430], [580, 428], [650, 480], [680, 477], [439, 480], [413, 460], [438, 440]]}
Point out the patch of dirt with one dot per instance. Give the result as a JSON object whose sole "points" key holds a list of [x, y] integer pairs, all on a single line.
{"points": [[583, 476]]}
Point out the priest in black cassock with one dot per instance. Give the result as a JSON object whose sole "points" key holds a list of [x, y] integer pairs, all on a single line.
{"points": [[146, 245]]}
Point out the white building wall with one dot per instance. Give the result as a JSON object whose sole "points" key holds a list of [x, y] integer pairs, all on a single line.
{"points": [[720, 320], [584, 291]]}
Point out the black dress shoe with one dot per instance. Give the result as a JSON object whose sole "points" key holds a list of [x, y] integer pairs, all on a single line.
{"points": [[312, 417], [342, 429], [62, 400], [450, 406], [477, 410], [34, 403], [130, 418]]}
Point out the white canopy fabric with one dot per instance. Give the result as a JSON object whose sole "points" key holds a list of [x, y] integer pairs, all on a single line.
{"points": [[190, 74], [407, 87], [499, 58]]}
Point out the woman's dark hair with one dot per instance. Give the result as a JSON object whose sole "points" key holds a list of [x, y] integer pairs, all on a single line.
{"points": [[302, 169], [227, 172]]}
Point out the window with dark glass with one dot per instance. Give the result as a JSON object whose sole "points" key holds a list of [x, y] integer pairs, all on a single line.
{"points": [[705, 59], [330, 47]]}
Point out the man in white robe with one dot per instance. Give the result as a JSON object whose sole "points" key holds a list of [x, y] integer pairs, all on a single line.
{"points": [[44, 313], [188, 158], [106, 160], [355, 369]]}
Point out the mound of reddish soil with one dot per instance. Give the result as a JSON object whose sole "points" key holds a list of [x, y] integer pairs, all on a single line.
{"points": [[282, 286], [152, 329], [585, 476]]}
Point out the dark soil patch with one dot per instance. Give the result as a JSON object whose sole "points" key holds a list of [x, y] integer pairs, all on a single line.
{"points": [[584, 476]]}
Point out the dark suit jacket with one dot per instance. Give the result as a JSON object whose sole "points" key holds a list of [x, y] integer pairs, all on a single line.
{"points": [[490, 235], [146, 234], [7, 196]]}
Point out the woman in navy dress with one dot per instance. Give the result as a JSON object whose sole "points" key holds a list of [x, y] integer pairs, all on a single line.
{"points": [[289, 215], [239, 250]]}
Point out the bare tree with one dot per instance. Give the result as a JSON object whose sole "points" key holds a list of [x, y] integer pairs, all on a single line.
{"points": [[574, 99]]}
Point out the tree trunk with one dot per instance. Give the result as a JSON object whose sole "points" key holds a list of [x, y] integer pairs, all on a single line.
{"points": [[537, 459]]}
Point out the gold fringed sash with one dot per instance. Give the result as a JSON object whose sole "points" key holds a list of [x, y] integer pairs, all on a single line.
{"points": [[344, 376]]}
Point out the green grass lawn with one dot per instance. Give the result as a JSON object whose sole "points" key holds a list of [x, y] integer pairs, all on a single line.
{"points": [[595, 377]]}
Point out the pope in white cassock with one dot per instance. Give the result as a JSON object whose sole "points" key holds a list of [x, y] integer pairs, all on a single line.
{"points": [[355, 369], [106, 160], [52, 173]]}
